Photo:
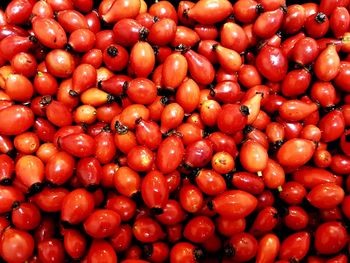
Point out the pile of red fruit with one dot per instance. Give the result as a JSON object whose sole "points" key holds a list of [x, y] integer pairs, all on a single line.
{"points": [[209, 131]]}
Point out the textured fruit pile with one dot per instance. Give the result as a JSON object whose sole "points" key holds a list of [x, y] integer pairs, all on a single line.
{"points": [[197, 131]]}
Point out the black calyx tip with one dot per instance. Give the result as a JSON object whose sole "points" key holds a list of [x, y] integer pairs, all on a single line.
{"points": [[99, 84], [293, 260], [156, 19], [277, 144], [155, 50], [244, 110], [182, 48], [320, 17], [143, 34], [210, 205], [194, 171], [284, 9], [6, 181], [121, 129], [157, 210], [147, 250], [228, 177], [110, 98], [125, 86], [198, 253], [164, 100], [137, 197], [112, 51], [15, 204], [68, 47], [185, 13], [138, 120], [215, 46], [259, 9], [92, 188], [248, 129], [229, 250], [45, 100], [35, 188], [73, 93], [33, 39], [330, 108]]}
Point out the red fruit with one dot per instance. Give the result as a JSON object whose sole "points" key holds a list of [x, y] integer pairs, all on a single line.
{"points": [[234, 204], [330, 238], [154, 191]]}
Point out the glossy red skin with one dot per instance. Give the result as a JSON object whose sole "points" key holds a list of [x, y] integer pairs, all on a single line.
{"points": [[326, 196], [331, 238], [16, 245], [268, 248], [7, 167], [51, 250], [191, 198], [147, 230], [49, 32], [124, 206], [102, 223], [76, 206], [245, 246], [340, 164], [172, 213], [248, 182], [88, 171], [200, 68], [267, 23], [296, 219], [315, 29], [59, 168], [339, 21], [300, 149], [219, 10], [234, 204], [26, 216], [13, 44], [293, 193], [295, 246], [327, 64], [272, 63], [265, 221], [71, 20], [183, 252], [171, 148], [50, 200], [154, 190], [79, 144], [31, 163], [210, 182], [101, 250], [74, 243], [332, 125], [121, 240], [310, 177], [16, 119], [199, 229], [343, 76]]}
